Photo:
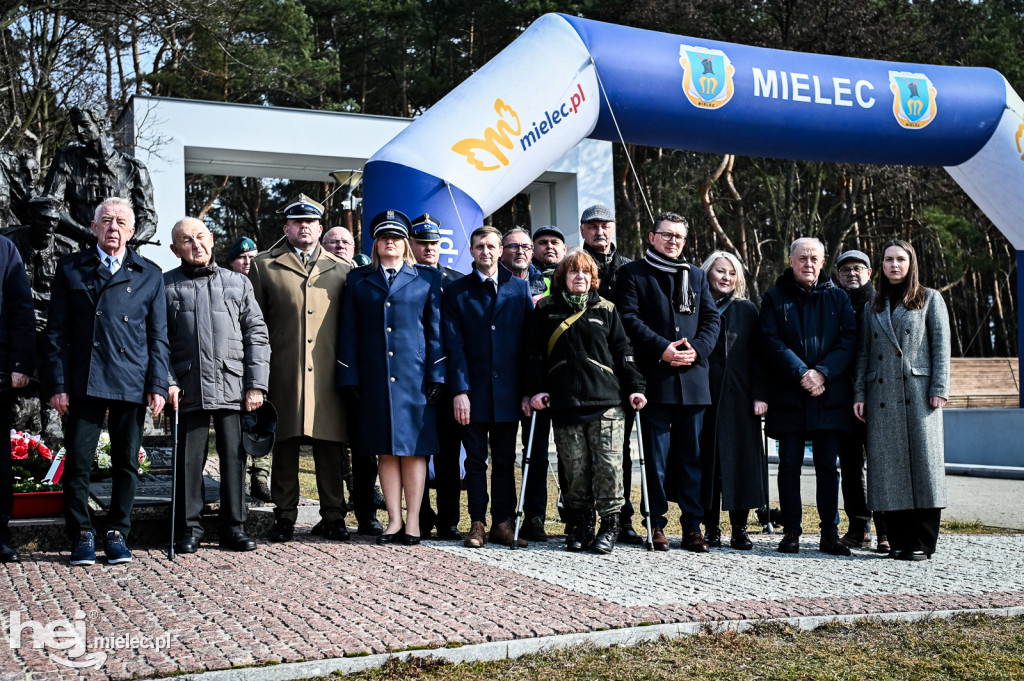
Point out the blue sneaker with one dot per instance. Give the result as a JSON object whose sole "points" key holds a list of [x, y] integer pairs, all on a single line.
{"points": [[83, 550], [115, 548]]}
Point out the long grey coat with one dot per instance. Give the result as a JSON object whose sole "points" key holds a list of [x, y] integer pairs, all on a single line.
{"points": [[903, 361]]}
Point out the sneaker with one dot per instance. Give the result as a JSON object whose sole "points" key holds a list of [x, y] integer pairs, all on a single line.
{"points": [[83, 550], [115, 548]]}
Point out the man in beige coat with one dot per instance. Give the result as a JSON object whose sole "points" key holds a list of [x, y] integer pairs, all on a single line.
{"points": [[299, 286]]}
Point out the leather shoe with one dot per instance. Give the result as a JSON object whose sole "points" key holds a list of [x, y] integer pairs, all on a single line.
{"points": [[833, 545], [503, 533], [627, 535], [914, 556], [387, 539], [660, 541], [740, 540], [693, 541], [189, 544], [283, 531], [370, 526], [476, 537], [259, 490], [856, 540], [8, 554], [238, 542], [533, 529], [790, 542], [713, 539], [410, 539], [883, 544], [336, 530], [450, 532]]}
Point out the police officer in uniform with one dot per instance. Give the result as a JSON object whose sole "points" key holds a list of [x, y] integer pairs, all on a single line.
{"points": [[426, 247]]}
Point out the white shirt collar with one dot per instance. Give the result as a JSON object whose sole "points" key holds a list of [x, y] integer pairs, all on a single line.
{"points": [[493, 278]]}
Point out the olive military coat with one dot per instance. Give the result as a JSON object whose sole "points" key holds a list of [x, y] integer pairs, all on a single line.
{"points": [[904, 361], [301, 306]]}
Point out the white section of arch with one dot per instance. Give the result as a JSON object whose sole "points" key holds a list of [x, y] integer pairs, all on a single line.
{"points": [[173, 137]]}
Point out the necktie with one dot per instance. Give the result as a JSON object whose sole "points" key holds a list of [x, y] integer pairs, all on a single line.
{"points": [[111, 264], [304, 257], [392, 273]]}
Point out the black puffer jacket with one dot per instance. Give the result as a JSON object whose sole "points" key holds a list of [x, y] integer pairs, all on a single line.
{"points": [[591, 364], [607, 266], [219, 342]]}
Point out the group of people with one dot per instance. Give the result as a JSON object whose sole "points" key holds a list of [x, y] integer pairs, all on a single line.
{"points": [[406, 361]]}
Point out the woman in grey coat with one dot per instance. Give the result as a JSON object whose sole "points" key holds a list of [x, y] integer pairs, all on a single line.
{"points": [[902, 384], [734, 469]]}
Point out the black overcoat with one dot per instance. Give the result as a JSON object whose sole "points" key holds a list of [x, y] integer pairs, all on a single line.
{"points": [[731, 439]]}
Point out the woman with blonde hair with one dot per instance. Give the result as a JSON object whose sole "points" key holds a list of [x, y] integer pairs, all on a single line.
{"points": [[734, 469], [391, 366]]}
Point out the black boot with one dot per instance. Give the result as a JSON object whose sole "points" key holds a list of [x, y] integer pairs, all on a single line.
{"points": [[608, 534], [572, 530], [587, 527]]}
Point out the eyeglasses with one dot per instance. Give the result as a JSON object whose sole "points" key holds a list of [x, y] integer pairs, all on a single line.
{"points": [[671, 236], [525, 248], [856, 269], [337, 242]]}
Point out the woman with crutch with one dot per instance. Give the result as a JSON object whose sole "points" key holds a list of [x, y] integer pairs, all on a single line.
{"points": [[582, 368], [391, 366], [734, 469], [902, 384]]}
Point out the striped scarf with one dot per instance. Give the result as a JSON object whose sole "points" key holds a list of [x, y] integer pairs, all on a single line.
{"points": [[683, 298]]}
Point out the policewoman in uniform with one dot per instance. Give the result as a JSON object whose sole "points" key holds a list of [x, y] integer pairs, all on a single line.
{"points": [[391, 364]]}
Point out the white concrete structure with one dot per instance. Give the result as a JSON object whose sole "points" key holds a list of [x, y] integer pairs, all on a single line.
{"points": [[176, 136]]}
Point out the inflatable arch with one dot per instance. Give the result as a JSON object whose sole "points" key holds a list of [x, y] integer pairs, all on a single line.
{"points": [[565, 79]]}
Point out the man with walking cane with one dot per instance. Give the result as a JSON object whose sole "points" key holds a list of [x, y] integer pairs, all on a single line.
{"points": [[220, 364]]}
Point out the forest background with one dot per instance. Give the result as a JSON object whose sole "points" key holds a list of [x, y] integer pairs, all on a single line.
{"points": [[399, 57]]}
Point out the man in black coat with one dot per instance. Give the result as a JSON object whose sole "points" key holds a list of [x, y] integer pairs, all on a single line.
{"points": [[810, 337], [673, 323], [425, 239], [17, 361], [107, 336], [854, 275]]}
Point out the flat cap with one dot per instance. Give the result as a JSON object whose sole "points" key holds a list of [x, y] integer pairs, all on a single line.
{"points": [[854, 255], [598, 212]]}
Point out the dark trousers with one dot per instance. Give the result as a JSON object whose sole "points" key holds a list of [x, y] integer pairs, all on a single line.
{"points": [[671, 436], [284, 479], [825, 444], [81, 435], [364, 477], [626, 514], [6, 476], [447, 473], [737, 517], [851, 467], [916, 529], [193, 436], [502, 439], [535, 504]]}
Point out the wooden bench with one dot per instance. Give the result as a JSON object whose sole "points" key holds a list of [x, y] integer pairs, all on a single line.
{"points": [[984, 382]]}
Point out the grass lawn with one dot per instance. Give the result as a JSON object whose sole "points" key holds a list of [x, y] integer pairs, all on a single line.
{"points": [[307, 486]]}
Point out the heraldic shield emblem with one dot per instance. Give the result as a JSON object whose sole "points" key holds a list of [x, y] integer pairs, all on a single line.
{"points": [[913, 99], [707, 76]]}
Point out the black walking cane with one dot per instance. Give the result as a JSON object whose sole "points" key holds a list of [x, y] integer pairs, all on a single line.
{"points": [[645, 509], [174, 479], [522, 491]]}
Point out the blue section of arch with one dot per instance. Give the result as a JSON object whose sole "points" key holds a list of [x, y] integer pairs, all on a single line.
{"points": [[826, 121], [391, 186]]}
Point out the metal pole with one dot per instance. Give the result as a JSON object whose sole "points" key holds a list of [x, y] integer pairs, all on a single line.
{"points": [[526, 472], [174, 481], [644, 504]]}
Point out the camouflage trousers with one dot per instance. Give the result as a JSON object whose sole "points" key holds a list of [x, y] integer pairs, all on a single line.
{"points": [[591, 455], [259, 467]]}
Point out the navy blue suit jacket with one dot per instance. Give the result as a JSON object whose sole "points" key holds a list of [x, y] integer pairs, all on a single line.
{"points": [[17, 318], [485, 338], [643, 297]]}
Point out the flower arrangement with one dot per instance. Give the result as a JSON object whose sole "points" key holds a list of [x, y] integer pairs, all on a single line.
{"points": [[101, 462], [31, 460]]}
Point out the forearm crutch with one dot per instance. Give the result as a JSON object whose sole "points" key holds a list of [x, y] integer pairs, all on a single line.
{"points": [[644, 503], [526, 472]]}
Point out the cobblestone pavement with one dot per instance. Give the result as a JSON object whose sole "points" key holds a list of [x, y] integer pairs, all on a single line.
{"points": [[314, 600]]}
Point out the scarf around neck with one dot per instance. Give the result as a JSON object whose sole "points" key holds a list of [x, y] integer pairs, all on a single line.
{"points": [[577, 301], [683, 299]]}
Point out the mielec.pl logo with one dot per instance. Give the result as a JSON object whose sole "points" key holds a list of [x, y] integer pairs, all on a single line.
{"points": [[66, 636]]}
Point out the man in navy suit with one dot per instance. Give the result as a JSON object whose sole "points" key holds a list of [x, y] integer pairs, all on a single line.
{"points": [[485, 317], [672, 322]]}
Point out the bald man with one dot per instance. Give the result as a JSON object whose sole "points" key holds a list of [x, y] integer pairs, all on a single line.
{"points": [[339, 241], [218, 368]]}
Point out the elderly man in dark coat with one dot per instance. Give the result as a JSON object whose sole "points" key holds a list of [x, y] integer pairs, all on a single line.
{"points": [[810, 337], [107, 335], [485, 317], [220, 364], [672, 323], [17, 361]]}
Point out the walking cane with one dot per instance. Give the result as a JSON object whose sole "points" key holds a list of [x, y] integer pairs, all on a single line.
{"points": [[644, 503], [526, 472], [174, 480]]}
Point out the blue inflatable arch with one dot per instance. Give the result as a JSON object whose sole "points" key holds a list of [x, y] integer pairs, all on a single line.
{"points": [[565, 79]]}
